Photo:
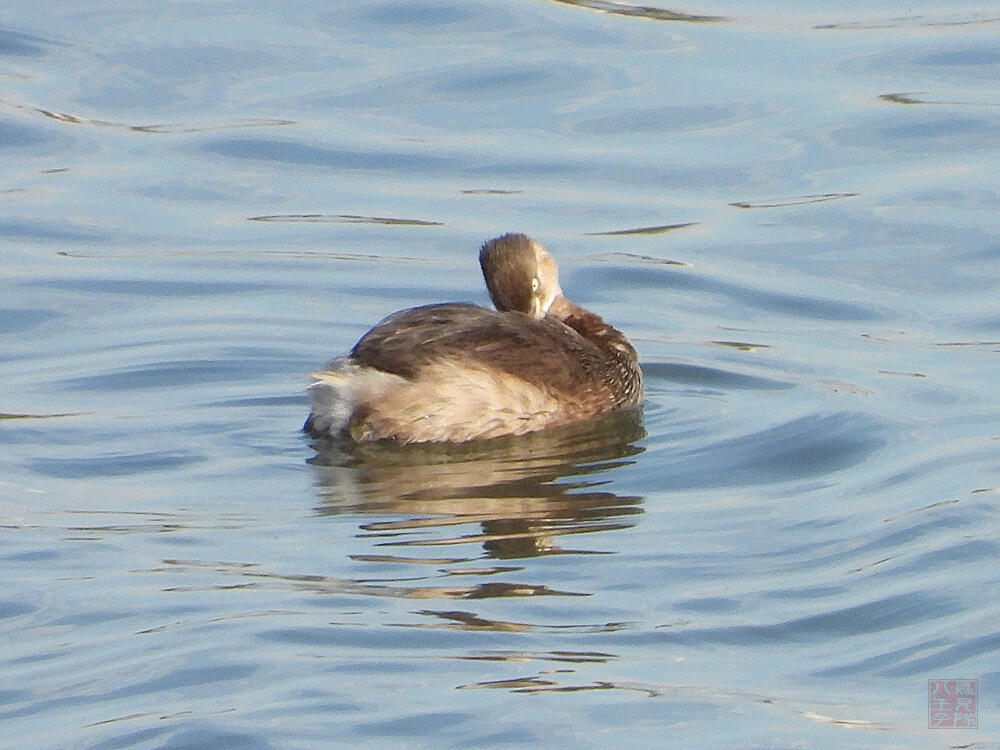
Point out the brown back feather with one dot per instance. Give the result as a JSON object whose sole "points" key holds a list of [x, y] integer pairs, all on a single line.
{"points": [[579, 358]]}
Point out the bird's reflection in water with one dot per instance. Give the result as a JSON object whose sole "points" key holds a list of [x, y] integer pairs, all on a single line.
{"points": [[521, 494]]}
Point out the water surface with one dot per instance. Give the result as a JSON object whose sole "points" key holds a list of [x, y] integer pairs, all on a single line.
{"points": [[791, 212]]}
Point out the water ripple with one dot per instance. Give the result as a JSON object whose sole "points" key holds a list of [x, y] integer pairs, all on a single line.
{"points": [[16, 44], [291, 152], [10, 609], [20, 320], [942, 19], [641, 11], [111, 466], [711, 377], [886, 613], [345, 219], [663, 277], [809, 446]]}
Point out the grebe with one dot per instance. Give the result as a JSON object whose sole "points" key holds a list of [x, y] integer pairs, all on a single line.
{"points": [[455, 372]]}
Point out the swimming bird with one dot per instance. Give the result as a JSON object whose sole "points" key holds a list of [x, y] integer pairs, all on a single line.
{"points": [[456, 372]]}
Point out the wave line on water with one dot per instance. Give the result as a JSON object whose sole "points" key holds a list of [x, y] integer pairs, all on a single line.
{"points": [[641, 11], [345, 219], [907, 98], [798, 200], [154, 128], [661, 229]]}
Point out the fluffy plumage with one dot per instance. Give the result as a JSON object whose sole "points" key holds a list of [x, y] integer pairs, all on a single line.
{"points": [[457, 372]]}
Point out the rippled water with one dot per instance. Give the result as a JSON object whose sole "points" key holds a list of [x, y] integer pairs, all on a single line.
{"points": [[792, 213]]}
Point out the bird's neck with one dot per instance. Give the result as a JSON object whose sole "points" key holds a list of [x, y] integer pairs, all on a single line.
{"points": [[562, 308], [590, 326]]}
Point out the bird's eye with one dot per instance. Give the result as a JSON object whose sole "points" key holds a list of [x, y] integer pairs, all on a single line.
{"points": [[535, 283]]}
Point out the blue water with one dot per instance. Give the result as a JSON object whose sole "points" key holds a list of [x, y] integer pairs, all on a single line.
{"points": [[792, 212]]}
